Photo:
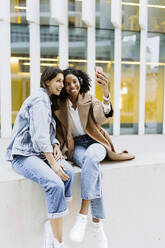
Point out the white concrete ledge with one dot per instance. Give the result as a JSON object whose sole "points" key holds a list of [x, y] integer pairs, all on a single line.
{"points": [[134, 193]]}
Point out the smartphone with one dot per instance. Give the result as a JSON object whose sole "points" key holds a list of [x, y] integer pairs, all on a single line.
{"points": [[99, 69]]}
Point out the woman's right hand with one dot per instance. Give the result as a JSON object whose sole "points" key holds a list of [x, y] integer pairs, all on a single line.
{"points": [[57, 167], [59, 170]]}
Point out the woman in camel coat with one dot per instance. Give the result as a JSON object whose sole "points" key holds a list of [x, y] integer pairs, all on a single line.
{"points": [[79, 118]]}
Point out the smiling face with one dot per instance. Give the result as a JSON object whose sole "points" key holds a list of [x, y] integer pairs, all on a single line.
{"points": [[72, 85], [55, 85]]}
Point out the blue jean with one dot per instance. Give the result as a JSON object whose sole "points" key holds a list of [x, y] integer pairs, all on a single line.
{"points": [[87, 155], [57, 192]]}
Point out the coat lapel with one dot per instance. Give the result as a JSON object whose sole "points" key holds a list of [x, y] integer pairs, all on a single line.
{"points": [[62, 114], [84, 103]]}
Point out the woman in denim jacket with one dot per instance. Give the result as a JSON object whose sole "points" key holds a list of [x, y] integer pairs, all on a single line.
{"points": [[34, 152]]}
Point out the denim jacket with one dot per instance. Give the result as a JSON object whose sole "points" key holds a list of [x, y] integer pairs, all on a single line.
{"points": [[34, 129]]}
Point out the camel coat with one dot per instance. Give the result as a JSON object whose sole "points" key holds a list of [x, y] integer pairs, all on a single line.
{"points": [[92, 116]]}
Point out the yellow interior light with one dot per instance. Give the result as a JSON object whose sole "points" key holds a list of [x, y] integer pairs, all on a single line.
{"points": [[20, 7]]}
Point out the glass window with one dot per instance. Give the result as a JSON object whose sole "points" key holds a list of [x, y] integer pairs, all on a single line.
{"points": [[18, 11], [130, 15], [49, 37], [156, 16], [105, 59], [103, 14], [45, 17], [105, 49], [129, 99], [77, 36], [154, 83], [20, 76], [78, 48], [129, 92], [155, 74], [75, 14], [49, 44]]}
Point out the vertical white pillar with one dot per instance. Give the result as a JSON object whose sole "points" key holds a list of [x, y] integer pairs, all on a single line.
{"points": [[143, 42], [91, 57], [88, 16], [59, 11], [116, 21], [5, 71], [33, 17], [63, 46]]}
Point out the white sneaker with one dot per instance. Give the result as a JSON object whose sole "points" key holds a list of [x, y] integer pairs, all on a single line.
{"points": [[58, 245], [48, 236], [78, 230], [99, 235]]}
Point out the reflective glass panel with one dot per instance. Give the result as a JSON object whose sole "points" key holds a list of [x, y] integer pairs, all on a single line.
{"points": [[18, 11], [20, 76], [156, 16], [103, 14], [49, 44], [75, 14], [105, 59], [129, 92], [45, 16], [154, 83], [78, 48], [130, 15], [129, 99]]}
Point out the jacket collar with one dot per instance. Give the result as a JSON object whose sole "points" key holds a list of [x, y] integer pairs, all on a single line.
{"points": [[84, 102]]}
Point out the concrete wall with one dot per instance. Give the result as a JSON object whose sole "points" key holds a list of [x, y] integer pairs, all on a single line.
{"points": [[134, 194]]}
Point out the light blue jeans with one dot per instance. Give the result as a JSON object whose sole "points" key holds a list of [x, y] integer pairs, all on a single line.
{"points": [[57, 192], [87, 155]]}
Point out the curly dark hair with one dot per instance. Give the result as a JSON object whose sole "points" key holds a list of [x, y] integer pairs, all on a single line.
{"points": [[83, 78]]}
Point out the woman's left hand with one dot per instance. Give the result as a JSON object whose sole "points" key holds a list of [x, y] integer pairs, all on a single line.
{"points": [[103, 81], [57, 152]]}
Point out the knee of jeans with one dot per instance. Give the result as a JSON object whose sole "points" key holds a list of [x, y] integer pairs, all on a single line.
{"points": [[57, 186], [93, 160], [70, 172], [91, 163], [96, 152]]}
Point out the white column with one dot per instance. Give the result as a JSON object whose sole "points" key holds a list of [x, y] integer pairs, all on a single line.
{"points": [[33, 17], [88, 16], [116, 21], [5, 71], [59, 12], [142, 83], [63, 46], [91, 57]]}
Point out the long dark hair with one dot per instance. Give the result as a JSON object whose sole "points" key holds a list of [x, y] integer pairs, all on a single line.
{"points": [[48, 74], [83, 79]]}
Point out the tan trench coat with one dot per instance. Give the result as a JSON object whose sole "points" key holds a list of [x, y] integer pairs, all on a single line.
{"points": [[92, 117]]}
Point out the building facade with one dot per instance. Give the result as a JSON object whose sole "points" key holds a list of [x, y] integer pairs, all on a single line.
{"points": [[126, 38]]}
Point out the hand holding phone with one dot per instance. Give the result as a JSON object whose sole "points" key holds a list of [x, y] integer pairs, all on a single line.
{"points": [[99, 69], [102, 80]]}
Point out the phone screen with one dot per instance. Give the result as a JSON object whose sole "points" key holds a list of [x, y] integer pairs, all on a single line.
{"points": [[99, 69]]}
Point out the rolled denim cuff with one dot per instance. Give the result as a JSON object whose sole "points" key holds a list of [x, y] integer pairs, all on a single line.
{"points": [[55, 141], [90, 196], [42, 146], [57, 215], [68, 199]]}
